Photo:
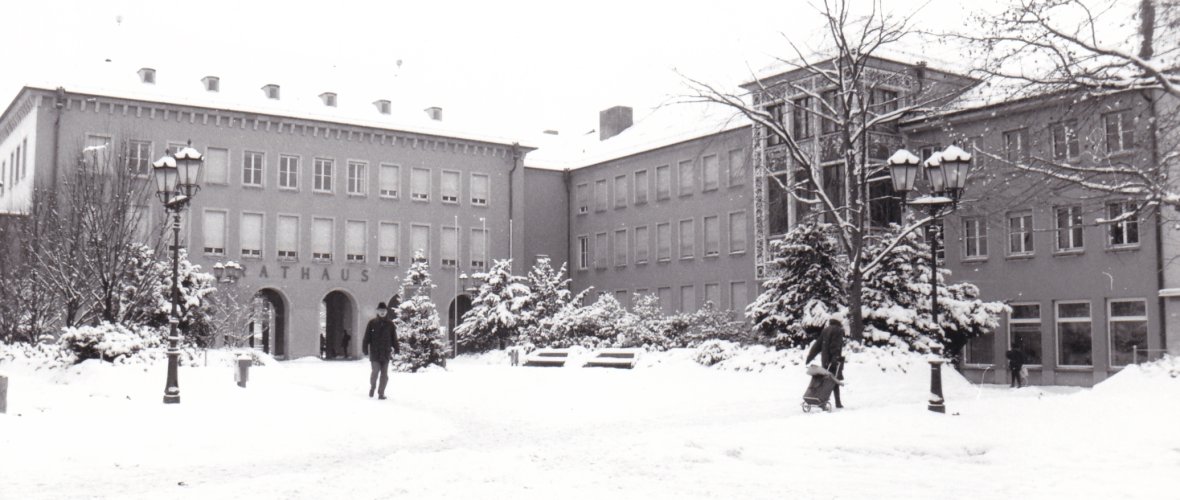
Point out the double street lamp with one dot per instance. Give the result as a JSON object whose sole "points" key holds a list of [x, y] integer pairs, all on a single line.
{"points": [[946, 171], [176, 183]]}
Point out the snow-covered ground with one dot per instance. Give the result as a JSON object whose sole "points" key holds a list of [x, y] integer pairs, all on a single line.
{"points": [[668, 429]]}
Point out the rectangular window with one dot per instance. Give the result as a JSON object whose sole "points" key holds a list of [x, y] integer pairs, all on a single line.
{"points": [[974, 238], [420, 240], [801, 118], [712, 173], [1068, 224], [641, 187], [322, 178], [449, 186], [583, 198], [1065, 142], [1020, 233], [288, 237], [1124, 225], [288, 172], [216, 167], [712, 236], [713, 295], [388, 242], [420, 184], [737, 232], [354, 240], [883, 101], [664, 242], [687, 172], [321, 239], [583, 253], [214, 231], [737, 298], [688, 299], [479, 248], [391, 181], [600, 195], [252, 168], [449, 246], [1024, 330], [776, 116], [737, 167], [620, 248], [687, 239], [97, 153], [1073, 334], [1120, 131], [139, 157], [663, 182], [980, 349], [833, 105], [601, 251], [358, 178], [620, 191], [642, 244], [1016, 145], [251, 236], [1128, 330], [480, 187]]}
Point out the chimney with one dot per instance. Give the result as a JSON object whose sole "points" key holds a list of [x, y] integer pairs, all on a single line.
{"points": [[435, 113], [271, 90], [212, 83], [382, 106], [147, 75], [613, 121], [329, 99]]}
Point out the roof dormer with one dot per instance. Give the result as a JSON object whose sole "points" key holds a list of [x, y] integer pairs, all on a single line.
{"points": [[382, 106], [271, 90], [329, 99], [434, 112], [212, 83], [147, 75]]}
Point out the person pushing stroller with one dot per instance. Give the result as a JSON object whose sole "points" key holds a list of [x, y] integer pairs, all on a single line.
{"points": [[830, 348]]}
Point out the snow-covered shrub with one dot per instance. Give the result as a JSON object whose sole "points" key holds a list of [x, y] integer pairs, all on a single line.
{"points": [[108, 341], [499, 311], [37, 355], [711, 352], [805, 275]]}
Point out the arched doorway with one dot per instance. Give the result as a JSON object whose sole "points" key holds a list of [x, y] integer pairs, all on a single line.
{"points": [[268, 330], [337, 317], [459, 307]]}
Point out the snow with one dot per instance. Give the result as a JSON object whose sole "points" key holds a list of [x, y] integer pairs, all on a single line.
{"points": [[670, 428], [904, 157]]}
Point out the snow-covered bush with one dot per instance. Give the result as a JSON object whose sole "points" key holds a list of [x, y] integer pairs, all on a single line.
{"points": [[420, 338], [108, 341], [711, 352], [500, 309], [39, 355]]}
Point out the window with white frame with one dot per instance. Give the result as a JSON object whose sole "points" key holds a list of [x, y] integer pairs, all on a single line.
{"points": [[600, 195], [1074, 334], [448, 245], [1128, 330], [620, 248], [252, 162], [1068, 224], [1020, 233], [354, 241], [641, 187], [388, 242], [288, 172], [139, 157], [583, 198], [322, 175], [216, 167], [480, 190], [664, 242], [420, 184], [737, 167], [251, 236], [358, 178], [1016, 145], [420, 240], [1025, 331], [688, 299], [620, 191], [287, 241], [687, 239], [479, 248], [449, 186], [737, 297], [713, 295], [390, 180], [601, 251], [1120, 131], [214, 232], [1123, 221], [1065, 142], [97, 153], [737, 232], [711, 173], [642, 244], [663, 182], [712, 225], [321, 239], [583, 252], [686, 171], [974, 238], [980, 349]]}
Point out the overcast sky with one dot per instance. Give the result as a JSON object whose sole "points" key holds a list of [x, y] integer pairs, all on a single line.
{"points": [[531, 64]]}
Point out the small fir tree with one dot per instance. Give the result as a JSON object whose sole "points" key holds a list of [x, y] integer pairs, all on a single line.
{"points": [[500, 309], [421, 343], [805, 286]]}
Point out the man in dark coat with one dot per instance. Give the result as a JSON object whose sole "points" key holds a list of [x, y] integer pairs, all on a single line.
{"points": [[830, 347], [380, 339], [1015, 363]]}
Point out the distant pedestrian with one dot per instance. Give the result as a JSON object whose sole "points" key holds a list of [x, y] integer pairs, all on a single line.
{"points": [[345, 338], [380, 339], [1016, 361], [830, 348]]}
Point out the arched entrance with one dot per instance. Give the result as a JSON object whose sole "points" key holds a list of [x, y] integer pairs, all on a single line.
{"points": [[459, 307], [268, 330], [337, 317]]}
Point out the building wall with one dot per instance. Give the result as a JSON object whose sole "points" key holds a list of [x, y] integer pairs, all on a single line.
{"points": [[18, 156], [546, 217]]}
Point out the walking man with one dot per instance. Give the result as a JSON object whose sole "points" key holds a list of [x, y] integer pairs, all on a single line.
{"points": [[380, 339], [830, 347], [1015, 365]]}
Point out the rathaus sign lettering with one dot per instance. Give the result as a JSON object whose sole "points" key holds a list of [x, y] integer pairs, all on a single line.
{"points": [[308, 273]]}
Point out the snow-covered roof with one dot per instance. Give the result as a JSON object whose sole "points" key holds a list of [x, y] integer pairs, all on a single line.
{"points": [[895, 53], [653, 128]]}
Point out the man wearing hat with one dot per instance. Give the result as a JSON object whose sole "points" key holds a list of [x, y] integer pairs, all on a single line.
{"points": [[380, 339]]}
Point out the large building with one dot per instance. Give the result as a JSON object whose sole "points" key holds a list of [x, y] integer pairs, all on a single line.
{"points": [[325, 204]]}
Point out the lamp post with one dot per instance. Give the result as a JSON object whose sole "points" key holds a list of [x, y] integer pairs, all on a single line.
{"points": [[946, 171], [176, 183]]}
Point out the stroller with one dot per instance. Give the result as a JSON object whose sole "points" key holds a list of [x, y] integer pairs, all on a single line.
{"points": [[820, 389]]}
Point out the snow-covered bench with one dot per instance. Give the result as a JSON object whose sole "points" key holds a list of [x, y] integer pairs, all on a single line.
{"points": [[547, 357], [614, 358]]}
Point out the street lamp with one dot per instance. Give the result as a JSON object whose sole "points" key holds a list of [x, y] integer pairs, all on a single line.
{"points": [[947, 173], [229, 272], [176, 183]]}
